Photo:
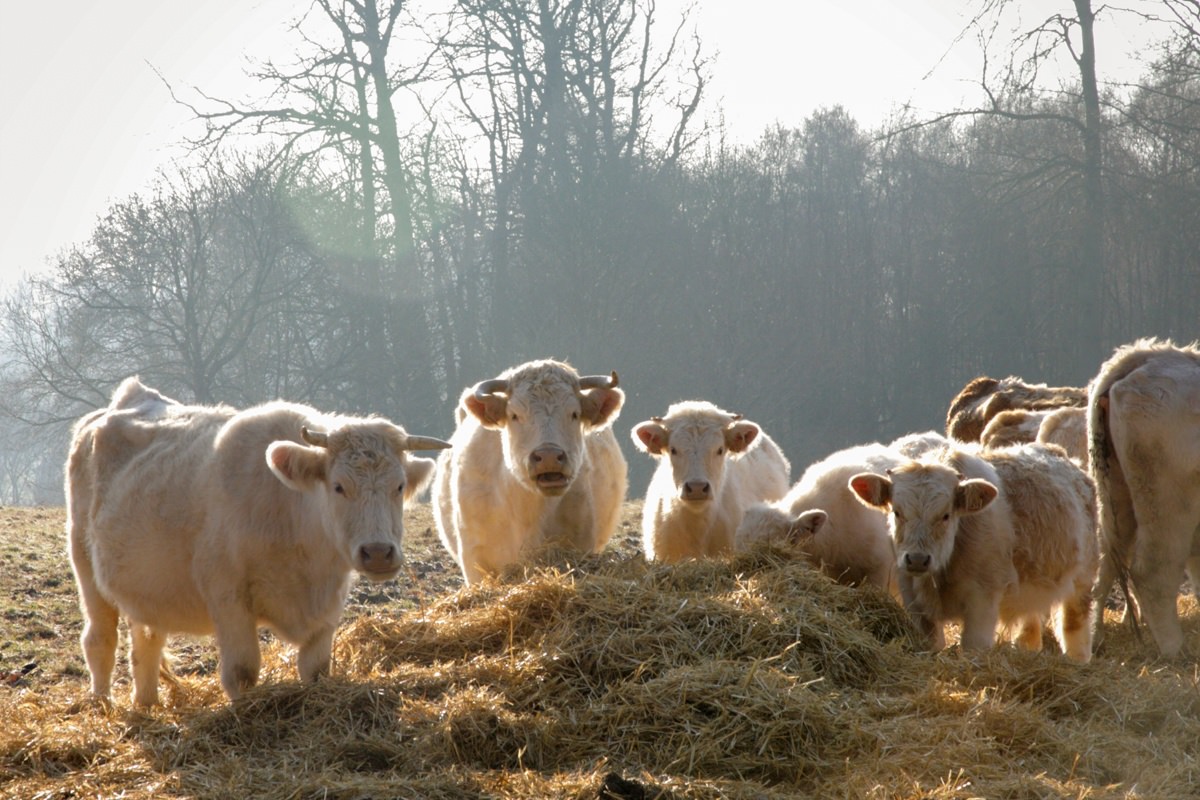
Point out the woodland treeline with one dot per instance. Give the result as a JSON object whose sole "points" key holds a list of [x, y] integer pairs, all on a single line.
{"points": [[564, 188]]}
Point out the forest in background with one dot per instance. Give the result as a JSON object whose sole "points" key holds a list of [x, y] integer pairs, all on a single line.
{"points": [[565, 189]]}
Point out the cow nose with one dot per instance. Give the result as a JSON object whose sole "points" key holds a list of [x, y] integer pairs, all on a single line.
{"points": [[917, 562], [547, 458], [378, 557], [696, 490]]}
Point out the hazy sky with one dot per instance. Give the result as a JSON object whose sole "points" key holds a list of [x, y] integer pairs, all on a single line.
{"points": [[85, 121]]}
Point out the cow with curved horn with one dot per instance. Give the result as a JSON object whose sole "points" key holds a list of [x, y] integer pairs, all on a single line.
{"points": [[204, 519], [535, 463]]}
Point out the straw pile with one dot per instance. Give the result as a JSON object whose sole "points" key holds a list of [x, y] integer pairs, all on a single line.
{"points": [[754, 677]]}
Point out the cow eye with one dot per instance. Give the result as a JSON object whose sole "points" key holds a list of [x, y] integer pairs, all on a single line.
{"points": [[574, 415], [899, 517], [514, 418], [337, 487], [720, 451], [674, 452], [400, 489], [946, 517]]}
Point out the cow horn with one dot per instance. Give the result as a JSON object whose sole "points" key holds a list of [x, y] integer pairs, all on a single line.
{"points": [[314, 438], [599, 381], [738, 417], [659, 420], [485, 389], [425, 443]]}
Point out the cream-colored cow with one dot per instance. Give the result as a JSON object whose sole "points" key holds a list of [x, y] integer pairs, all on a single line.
{"points": [[535, 463], [847, 540], [712, 465], [984, 538], [201, 519], [1144, 454]]}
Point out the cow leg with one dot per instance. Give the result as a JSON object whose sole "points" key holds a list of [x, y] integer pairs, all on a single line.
{"points": [[99, 638], [979, 624], [145, 658], [313, 659], [1074, 624], [1030, 634], [1157, 571], [237, 641]]}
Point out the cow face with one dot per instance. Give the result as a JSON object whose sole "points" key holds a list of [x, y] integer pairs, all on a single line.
{"points": [[360, 474], [543, 412], [763, 523], [925, 502], [697, 442]]}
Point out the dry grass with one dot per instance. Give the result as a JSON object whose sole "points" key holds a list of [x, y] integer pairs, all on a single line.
{"points": [[607, 678]]}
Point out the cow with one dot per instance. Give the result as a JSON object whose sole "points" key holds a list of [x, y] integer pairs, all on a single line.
{"points": [[535, 465], [1067, 428], [1007, 539], [1015, 426], [712, 465], [983, 398], [847, 540], [204, 519], [1144, 455]]}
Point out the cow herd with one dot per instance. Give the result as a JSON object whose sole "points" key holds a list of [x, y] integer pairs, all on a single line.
{"points": [[205, 519]]}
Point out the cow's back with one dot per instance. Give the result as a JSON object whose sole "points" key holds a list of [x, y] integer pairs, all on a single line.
{"points": [[144, 515], [761, 475], [1053, 511]]}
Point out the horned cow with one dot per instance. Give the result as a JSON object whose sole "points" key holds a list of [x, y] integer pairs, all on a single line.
{"points": [[712, 465], [203, 519], [1008, 539], [1144, 454], [535, 463]]}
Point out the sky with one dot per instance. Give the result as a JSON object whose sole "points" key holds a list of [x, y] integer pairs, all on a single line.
{"points": [[85, 119]]}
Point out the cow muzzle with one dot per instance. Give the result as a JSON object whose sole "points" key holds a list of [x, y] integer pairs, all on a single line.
{"points": [[917, 563], [549, 469], [695, 491], [379, 561]]}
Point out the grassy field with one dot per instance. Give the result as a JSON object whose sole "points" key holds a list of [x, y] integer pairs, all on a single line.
{"points": [[754, 677]]}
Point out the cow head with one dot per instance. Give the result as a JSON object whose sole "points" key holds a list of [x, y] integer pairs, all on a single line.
{"points": [[925, 502], [542, 411], [697, 438], [360, 472], [764, 523]]}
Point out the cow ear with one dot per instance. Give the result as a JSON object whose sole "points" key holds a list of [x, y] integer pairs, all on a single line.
{"points": [[418, 473], [297, 466], [491, 411], [600, 405], [740, 436], [807, 525], [873, 490], [974, 495], [651, 437]]}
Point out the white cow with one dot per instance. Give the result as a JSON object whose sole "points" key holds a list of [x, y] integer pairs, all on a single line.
{"points": [[535, 463], [201, 519], [1144, 454], [847, 540], [1009, 539], [712, 465]]}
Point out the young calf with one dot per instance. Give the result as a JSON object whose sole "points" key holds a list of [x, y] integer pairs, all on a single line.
{"points": [[822, 517], [711, 466], [999, 537]]}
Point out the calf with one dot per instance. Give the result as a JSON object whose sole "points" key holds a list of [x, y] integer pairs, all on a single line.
{"points": [[1005, 540], [712, 465], [535, 464], [846, 539]]}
